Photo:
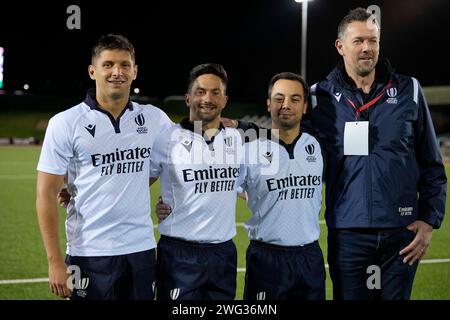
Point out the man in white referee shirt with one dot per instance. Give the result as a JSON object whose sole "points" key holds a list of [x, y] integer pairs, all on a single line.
{"points": [[198, 162], [284, 187], [103, 145]]}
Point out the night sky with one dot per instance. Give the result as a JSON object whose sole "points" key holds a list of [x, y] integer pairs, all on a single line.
{"points": [[253, 39]]}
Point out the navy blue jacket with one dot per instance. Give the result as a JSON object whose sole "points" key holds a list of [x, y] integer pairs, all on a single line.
{"points": [[403, 178]]}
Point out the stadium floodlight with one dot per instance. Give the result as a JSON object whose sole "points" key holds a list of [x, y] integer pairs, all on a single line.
{"points": [[304, 32], [1, 66]]}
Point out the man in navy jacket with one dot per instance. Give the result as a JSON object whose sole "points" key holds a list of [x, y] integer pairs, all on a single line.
{"points": [[385, 181]]}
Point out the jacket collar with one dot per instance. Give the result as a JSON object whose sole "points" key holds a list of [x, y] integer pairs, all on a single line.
{"points": [[383, 74]]}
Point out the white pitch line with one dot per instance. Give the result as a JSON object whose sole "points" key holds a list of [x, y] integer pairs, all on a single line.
{"points": [[36, 280], [428, 261], [15, 281]]}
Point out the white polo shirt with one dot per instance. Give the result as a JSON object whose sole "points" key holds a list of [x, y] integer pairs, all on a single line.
{"points": [[198, 181], [284, 191], [107, 162]]}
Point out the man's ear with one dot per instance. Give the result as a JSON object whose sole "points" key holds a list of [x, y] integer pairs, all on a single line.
{"points": [[305, 107], [187, 100], [91, 71], [268, 105], [226, 101], [339, 46], [135, 72]]}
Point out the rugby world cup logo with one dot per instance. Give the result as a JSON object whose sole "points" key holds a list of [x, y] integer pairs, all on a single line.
{"points": [[140, 121], [228, 141], [261, 295], [174, 293], [392, 94], [310, 151]]}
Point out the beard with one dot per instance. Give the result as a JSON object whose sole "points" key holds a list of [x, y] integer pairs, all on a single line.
{"points": [[363, 72], [287, 124], [117, 95], [207, 117], [365, 69]]}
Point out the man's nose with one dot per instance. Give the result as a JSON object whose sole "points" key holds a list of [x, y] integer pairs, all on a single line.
{"points": [[116, 71], [207, 96], [366, 46]]}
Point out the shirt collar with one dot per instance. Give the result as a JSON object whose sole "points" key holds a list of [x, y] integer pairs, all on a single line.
{"points": [[186, 124], [91, 101]]}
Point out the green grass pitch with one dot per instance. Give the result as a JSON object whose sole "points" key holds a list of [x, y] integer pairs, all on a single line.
{"points": [[22, 254]]}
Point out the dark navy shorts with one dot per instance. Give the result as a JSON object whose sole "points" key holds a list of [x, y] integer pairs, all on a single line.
{"points": [[284, 272], [195, 271], [123, 277]]}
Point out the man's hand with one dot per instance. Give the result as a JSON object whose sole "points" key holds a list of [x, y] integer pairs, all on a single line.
{"points": [[162, 210], [243, 195], [418, 247], [57, 278], [63, 197], [226, 122]]}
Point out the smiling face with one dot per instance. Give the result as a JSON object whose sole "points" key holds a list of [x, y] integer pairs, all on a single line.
{"points": [[360, 47], [206, 98], [113, 72], [286, 104]]}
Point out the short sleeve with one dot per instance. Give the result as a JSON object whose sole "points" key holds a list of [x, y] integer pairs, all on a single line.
{"points": [[242, 179], [56, 149], [157, 154]]}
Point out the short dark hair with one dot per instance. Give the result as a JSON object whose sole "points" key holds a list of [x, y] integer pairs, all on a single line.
{"points": [[288, 76], [208, 68], [111, 42], [358, 14]]}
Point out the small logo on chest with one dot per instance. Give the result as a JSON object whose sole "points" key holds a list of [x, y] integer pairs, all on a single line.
{"points": [[91, 129], [310, 151], [268, 155], [337, 96], [140, 121], [187, 144], [391, 93]]}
